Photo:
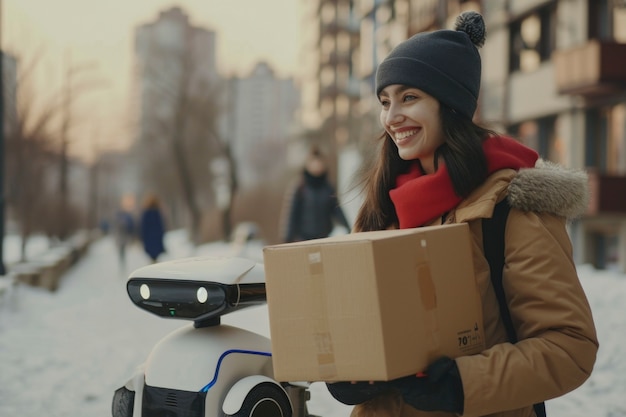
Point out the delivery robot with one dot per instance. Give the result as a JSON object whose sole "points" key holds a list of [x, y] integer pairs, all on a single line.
{"points": [[205, 368]]}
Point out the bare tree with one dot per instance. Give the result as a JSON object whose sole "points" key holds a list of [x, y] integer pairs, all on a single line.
{"points": [[70, 93], [180, 131], [29, 159], [204, 113], [37, 161]]}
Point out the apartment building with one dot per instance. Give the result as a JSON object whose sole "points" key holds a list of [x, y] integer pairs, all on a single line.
{"points": [[170, 52], [175, 83], [554, 76], [259, 122], [329, 82]]}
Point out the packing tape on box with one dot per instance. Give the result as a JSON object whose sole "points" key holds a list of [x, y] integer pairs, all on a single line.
{"points": [[428, 294], [319, 308]]}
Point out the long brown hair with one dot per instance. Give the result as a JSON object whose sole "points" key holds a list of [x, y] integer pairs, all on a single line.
{"points": [[462, 154]]}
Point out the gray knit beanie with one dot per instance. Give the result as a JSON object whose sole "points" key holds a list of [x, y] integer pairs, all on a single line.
{"points": [[443, 63]]}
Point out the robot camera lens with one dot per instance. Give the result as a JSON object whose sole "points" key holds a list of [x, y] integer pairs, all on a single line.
{"points": [[202, 295], [144, 290]]}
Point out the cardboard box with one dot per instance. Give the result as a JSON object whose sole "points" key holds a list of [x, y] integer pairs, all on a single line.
{"points": [[372, 305]]}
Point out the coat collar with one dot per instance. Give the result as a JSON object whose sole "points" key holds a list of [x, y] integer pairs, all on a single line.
{"points": [[547, 188]]}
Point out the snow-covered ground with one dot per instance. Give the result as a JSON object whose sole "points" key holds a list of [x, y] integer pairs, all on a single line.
{"points": [[35, 246], [64, 353]]}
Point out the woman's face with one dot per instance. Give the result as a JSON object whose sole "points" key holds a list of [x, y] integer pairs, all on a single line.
{"points": [[315, 166], [411, 118]]}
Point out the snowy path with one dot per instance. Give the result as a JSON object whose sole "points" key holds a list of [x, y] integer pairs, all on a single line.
{"points": [[63, 354]]}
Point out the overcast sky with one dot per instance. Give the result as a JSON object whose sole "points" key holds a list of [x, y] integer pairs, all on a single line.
{"points": [[99, 34]]}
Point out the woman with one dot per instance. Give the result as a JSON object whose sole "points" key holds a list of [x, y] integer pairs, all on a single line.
{"points": [[152, 228], [435, 167]]}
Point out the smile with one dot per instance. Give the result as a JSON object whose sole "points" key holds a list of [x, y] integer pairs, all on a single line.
{"points": [[400, 136]]}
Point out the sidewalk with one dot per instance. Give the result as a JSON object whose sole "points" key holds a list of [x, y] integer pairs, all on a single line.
{"points": [[64, 353], [44, 267]]}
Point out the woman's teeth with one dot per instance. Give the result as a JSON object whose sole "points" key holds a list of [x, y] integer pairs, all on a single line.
{"points": [[402, 135]]}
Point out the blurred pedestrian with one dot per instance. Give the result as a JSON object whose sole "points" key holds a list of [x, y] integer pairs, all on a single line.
{"points": [[152, 228], [313, 208], [124, 227]]}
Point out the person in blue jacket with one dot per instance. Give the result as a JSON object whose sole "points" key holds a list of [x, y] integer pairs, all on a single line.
{"points": [[152, 228]]}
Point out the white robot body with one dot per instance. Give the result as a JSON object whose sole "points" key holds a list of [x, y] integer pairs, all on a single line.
{"points": [[205, 369]]}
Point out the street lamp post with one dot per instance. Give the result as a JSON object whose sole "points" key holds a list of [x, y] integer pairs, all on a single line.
{"points": [[2, 268]]}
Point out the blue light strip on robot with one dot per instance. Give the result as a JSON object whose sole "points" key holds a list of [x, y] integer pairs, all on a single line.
{"points": [[219, 364]]}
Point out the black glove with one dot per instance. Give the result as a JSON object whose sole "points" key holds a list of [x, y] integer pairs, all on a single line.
{"points": [[441, 389], [359, 392]]}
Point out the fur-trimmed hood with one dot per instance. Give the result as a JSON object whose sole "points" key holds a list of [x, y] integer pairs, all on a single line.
{"points": [[550, 188], [545, 188]]}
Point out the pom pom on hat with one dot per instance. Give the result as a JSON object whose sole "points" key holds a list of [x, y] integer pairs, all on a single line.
{"points": [[473, 24], [444, 63]]}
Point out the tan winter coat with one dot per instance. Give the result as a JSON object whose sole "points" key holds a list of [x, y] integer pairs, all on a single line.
{"points": [[557, 338]]}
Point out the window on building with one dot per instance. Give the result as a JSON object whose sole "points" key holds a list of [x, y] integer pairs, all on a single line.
{"points": [[596, 126], [598, 19], [456, 7], [532, 39], [328, 79], [607, 20], [605, 139], [617, 139], [619, 23], [526, 133], [423, 15], [542, 136]]}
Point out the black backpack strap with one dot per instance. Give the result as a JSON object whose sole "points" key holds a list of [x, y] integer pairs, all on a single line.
{"points": [[493, 246]]}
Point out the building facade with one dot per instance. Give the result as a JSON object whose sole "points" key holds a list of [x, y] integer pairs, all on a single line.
{"points": [[554, 76], [176, 94], [169, 51], [259, 122], [329, 80]]}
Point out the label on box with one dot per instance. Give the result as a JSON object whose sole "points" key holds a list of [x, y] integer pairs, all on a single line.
{"points": [[469, 339]]}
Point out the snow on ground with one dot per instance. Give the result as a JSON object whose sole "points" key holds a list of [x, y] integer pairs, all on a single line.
{"points": [[64, 353], [35, 246]]}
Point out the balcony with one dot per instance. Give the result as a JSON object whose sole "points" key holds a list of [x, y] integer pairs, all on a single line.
{"points": [[607, 194], [593, 69], [329, 91], [336, 58], [334, 27]]}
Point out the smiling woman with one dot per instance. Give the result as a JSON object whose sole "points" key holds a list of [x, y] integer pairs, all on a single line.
{"points": [[435, 166]]}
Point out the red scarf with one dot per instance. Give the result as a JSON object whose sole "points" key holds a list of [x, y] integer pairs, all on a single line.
{"points": [[420, 198]]}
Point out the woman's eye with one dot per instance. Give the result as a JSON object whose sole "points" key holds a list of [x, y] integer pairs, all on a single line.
{"points": [[384, 103], [410, 97]]}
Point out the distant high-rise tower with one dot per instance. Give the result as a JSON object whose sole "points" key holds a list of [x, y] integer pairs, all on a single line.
{"points": [[263, 111], [176, 92], [170, 53]]}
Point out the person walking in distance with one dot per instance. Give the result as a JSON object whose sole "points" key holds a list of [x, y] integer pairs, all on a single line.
{"points": [[314, 208], [124, 227], [152, 228]]}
